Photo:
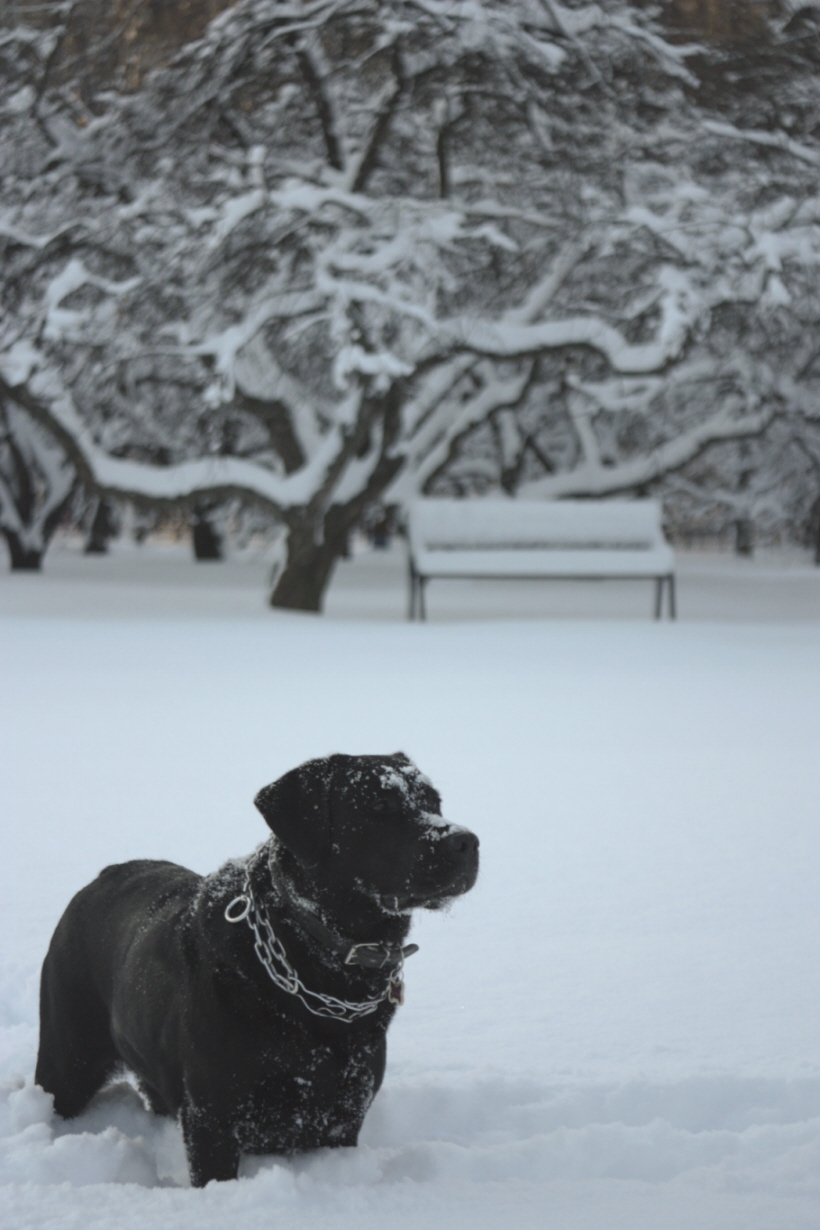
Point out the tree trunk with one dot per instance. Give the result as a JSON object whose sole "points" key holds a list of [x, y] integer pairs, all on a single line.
{"points": [[814, 529], [314, 546], [207, 542], [309, 564], [103, 528], [23, 559], [744, 536], [302, 583]]}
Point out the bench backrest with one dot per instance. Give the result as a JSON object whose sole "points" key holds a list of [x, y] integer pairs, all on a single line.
{"points": [[472, 524]]}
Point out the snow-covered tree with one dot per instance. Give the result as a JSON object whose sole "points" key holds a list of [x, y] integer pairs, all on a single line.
{"points": [[37, 483], [343, 251], [737, 255]]}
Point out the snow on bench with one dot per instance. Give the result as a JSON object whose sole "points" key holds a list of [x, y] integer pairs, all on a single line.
{"points": [[553, 540]]}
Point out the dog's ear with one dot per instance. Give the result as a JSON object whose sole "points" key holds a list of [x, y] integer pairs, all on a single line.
{"points": [[297, 810]]}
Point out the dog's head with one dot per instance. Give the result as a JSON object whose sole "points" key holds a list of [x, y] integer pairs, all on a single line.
{"points": [[371, 825]]}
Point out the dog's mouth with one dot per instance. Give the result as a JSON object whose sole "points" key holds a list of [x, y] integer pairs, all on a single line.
{"points": [[425, 899], [405, 902]]}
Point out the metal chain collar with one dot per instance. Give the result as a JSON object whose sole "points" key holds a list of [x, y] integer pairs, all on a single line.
{"points": [[271, 953]]}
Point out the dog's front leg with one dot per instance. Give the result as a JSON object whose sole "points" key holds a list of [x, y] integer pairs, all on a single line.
{"points": [[210, 1145]]}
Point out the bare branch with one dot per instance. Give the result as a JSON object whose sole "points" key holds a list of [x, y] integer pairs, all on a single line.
{"points": [[317, 86], [369, 157]]}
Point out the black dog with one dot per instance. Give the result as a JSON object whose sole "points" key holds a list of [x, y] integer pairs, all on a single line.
{"points": [[255, 1002]]}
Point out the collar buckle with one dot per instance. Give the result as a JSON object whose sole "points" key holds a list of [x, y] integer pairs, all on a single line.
{"points": [[377, 955], [374, 955]]}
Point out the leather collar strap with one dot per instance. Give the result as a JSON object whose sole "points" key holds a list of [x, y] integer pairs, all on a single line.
{"points": [[374, 955]]}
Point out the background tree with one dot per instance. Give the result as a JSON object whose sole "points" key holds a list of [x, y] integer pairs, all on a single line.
{"points": [[37, 483], [346, 252]]}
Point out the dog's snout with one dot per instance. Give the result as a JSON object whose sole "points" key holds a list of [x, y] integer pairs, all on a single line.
{"points": [[462, 842]]}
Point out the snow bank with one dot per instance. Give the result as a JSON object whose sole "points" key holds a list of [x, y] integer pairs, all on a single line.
{"points": [[462, 1153], [615, 1029]]}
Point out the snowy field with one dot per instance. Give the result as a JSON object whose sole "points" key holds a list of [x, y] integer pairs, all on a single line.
{"points": [[616, 1030]]}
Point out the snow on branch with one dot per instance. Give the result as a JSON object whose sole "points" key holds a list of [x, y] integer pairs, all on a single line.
{"points": [[592, 478], [431, 447], [59, 321], [771, 140], [679, 305], [18, 235], [46, 399]]}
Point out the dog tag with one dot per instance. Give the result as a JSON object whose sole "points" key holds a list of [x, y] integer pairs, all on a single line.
{"points": [[395, 990]]}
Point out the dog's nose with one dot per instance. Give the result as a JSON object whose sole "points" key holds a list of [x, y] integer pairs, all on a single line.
{"points": [[462, 842]]}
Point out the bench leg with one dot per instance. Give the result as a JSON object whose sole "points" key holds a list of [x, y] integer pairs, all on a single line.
{"points": [[411, 592], [416, 607], [659, 586]]}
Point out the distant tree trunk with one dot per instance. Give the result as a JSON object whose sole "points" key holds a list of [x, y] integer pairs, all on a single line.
{"points": [[744, 525], [206, 538], [37, 484], [744, 536], [308, 567], [310, 556], [314, 542], [23, 558], [302, 583], [380, 531], [814, 529], [103, 528]]}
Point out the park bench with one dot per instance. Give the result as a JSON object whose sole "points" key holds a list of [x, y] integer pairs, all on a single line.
{"points": [[555, 540]]}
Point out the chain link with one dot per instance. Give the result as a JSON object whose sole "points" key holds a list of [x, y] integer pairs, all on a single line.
{"points": [[271, 953]]}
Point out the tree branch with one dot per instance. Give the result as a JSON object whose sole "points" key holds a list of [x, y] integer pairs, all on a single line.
{"points": [[592, 479], [316, 85], [49, 403], [771, 140], [368, 161]]}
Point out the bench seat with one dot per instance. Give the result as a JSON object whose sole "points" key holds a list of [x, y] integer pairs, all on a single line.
{"points": [[562, 540]]}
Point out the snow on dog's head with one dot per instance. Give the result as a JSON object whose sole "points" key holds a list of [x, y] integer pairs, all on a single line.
{"points": [[374, 823]]}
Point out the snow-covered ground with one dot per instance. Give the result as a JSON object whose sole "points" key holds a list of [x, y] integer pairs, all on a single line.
{"points": [[616, 1030], [163, 581]]}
